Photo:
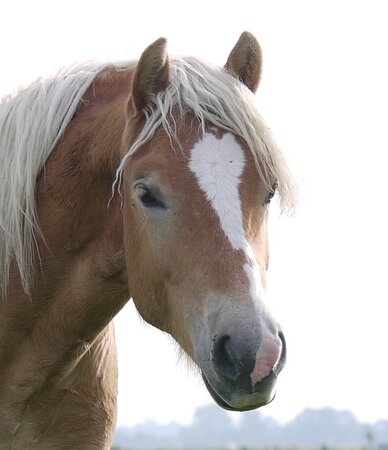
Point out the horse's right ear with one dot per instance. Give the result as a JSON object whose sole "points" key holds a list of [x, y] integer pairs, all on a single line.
{"points": [[152, 74]]}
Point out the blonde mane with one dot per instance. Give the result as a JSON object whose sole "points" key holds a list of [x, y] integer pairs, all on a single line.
{"points": [[32, 122]]}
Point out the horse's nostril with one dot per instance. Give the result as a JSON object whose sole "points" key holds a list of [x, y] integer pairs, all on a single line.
{"points": [[224, 360]]}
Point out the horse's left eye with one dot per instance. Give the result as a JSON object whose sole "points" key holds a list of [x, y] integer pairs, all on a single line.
{"points": [[271, 195]]}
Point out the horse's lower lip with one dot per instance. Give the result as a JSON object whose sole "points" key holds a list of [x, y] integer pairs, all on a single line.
{"points": [[223, 404]]}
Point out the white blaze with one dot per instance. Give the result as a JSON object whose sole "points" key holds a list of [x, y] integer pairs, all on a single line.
{"points": [[218, 165]]}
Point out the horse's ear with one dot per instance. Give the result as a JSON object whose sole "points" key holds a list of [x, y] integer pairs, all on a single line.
{"points": [[245, 61], [152, 74]]}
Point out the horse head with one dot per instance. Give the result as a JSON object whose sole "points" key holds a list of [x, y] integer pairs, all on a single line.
{"points": [[198, 172]]}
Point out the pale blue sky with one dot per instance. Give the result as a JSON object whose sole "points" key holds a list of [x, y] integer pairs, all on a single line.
{"points": [[324, 95]]}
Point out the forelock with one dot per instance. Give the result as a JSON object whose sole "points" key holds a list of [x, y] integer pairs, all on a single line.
{"points": [[214, 96]]}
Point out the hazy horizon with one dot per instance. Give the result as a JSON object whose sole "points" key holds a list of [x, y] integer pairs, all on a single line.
{"points": [[212, 427]]}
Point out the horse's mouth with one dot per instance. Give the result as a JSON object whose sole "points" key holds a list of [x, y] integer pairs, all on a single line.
{"points": [[240, 408]]}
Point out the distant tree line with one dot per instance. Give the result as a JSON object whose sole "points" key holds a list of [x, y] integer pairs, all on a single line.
{"points": [[212, 427]]}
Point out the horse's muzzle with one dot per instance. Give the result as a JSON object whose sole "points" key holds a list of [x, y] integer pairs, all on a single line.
{"points": [[245, 378]]}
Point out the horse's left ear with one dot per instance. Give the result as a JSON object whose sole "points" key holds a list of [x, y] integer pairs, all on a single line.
{"points": [[152, 74], [245, 61]]}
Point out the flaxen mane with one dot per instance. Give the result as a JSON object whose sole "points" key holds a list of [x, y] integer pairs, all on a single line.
{"points": [[32, 122]]}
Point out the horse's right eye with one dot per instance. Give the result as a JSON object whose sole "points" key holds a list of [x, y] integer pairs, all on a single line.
{"points": [[147, 198]]}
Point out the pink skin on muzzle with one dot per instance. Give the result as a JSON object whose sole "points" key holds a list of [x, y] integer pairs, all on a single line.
{"points": [[267, 356]]}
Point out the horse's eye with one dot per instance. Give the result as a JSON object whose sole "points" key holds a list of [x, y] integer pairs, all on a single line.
{"points": [[271, 194], [147, 197]]}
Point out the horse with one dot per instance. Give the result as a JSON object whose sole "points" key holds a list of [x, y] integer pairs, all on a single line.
{"points": [[147, 180]]}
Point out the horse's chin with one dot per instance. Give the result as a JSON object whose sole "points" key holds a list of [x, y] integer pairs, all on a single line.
{"points": [[239, 403]]}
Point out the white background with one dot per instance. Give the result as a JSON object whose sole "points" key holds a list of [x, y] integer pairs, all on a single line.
{"points": [[324, 95]]}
